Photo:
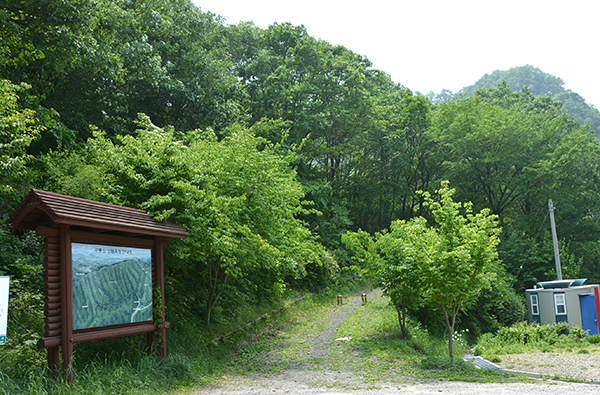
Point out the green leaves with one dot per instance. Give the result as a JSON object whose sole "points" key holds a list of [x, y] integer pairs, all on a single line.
{"points": [[103, 62], [511, 152], [445, 265], [18, 128], [465, 252], [237, 198]]}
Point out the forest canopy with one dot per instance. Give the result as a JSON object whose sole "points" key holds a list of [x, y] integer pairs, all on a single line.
{"points": [[268, 145]]}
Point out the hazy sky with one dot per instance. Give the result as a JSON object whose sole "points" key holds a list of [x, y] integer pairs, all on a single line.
{"points": [[447, 44]]}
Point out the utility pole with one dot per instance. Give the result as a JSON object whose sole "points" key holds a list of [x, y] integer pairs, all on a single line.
{"points": [[555, 240]]}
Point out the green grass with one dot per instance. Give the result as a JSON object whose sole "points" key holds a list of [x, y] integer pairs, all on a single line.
{"points": [[368, 347], [375, 347], [376, 350], [373, 352]]}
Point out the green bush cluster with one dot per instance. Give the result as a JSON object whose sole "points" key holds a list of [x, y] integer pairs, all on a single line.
{"points": [[522, 335], [438, 362], [20, 357], [594, 339]]}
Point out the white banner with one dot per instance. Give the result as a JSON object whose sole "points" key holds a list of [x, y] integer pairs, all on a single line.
{"points": [[4, 282]]}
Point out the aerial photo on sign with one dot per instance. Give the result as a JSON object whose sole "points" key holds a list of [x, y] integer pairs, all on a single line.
{"points": [[111, 285]]}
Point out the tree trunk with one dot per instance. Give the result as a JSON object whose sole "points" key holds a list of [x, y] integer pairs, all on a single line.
{"points": [[450, 321], [401, 310], [215, 279]]}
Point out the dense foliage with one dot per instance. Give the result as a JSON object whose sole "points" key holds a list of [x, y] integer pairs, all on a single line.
{"points": [[421, 266], [237, 198], [268, 145]]}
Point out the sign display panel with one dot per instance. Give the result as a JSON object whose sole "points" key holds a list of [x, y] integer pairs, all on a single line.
{"points": [[4, 284], [111, 285]]}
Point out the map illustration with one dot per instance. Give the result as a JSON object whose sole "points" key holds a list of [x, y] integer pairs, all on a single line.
{"points": [[111, 285]]}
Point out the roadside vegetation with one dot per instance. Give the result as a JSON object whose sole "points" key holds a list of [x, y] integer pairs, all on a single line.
{"points": [[294, 166], [552, 350], [373, 350], [532, 338]]}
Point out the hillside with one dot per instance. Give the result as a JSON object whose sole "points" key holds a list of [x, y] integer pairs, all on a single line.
{"points": [[537, 82]]}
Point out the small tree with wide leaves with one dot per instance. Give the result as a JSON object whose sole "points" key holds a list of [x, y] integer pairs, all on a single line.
{"points": [[393, 261], [446, 265], [464, 256]]}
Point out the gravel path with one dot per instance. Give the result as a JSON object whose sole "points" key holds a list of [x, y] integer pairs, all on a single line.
{"points": [[565, 364], [319, 345], [313, 375], [276, 387]]}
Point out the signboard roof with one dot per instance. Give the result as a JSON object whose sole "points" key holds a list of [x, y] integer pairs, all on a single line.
{"points": [[53, 209]]}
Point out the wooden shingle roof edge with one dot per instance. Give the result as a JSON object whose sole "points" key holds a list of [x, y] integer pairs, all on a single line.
{"points": [[49, 208]]}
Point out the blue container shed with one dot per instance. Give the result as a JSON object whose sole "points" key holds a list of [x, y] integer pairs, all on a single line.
{"points": [[569, 301]]}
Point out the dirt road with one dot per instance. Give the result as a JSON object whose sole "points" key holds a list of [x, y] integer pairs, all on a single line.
{"points": [[315, 374]]}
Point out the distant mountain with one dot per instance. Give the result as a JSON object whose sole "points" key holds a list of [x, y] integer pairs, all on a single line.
{"points": [[86, 263], [539, 83]]}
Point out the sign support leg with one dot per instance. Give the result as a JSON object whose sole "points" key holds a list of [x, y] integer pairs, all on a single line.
{"points": [[66, 303], [161, 342]]}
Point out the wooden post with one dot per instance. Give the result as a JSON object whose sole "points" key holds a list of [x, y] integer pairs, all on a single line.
{"points": [[66, 303], [53, 361], [160, 283], [52, 325]]}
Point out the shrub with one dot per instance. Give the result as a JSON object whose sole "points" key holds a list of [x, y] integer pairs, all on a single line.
{"points": [[579, 333], [514, 338], [436, 362], [594, 339], [496, 307]]}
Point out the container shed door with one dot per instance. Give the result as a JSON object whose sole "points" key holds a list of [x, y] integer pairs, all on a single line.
{"points": [[589, 317]]}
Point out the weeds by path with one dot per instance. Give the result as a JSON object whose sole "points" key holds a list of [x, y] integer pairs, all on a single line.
{"points": [[350, 346], [315, 342]]}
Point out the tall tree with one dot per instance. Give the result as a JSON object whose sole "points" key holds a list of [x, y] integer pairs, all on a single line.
{"points": [[237, 198], [322, 91], [103, 62], [496, 141], [397, 159], [511, 152]]}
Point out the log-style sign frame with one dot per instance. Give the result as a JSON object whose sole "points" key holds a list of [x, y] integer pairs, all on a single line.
{"points": [[62, 220]]}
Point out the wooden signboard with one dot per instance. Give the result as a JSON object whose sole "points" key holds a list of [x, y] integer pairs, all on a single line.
{"points": [[103, 272]]}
